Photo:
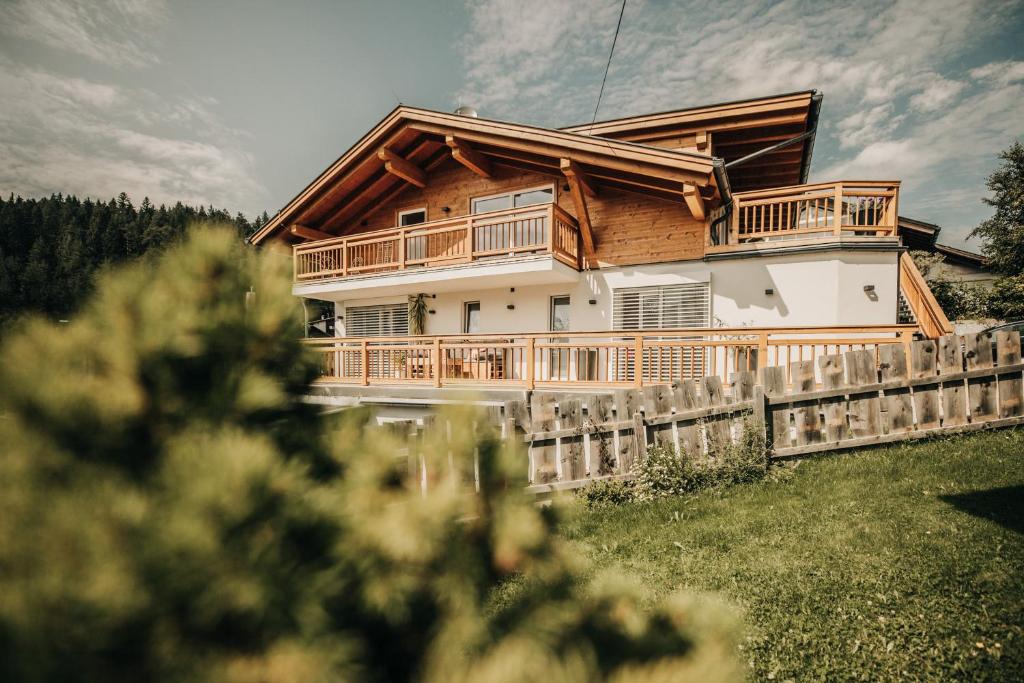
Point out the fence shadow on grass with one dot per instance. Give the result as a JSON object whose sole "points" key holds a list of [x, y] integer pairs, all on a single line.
{"points": [[1004, 505]]}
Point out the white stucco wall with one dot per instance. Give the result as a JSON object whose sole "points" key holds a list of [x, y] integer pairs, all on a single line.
{"points": [[822, 288]]}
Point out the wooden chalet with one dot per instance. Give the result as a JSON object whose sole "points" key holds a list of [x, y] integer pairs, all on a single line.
{"points": [[628, 252]]}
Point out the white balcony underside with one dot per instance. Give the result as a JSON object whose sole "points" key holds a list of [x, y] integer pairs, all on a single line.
{"points": [[515, 271]]}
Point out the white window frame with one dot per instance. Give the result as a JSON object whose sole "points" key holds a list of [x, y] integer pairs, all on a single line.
{"points": [[406, 212], [511, 193]]}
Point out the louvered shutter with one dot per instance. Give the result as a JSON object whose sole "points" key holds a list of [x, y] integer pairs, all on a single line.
{"points": [[386, 320], [659, 308]]}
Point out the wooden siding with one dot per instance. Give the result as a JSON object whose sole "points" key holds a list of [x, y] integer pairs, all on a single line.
{"points": [[628, 228]]}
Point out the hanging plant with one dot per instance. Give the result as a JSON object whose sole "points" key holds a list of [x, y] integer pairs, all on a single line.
{"points": [[417, 314]]}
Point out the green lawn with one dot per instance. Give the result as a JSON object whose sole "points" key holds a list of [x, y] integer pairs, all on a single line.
{"points": [[898, 563]]}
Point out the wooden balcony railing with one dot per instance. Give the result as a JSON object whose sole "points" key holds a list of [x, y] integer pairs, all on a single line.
{"points": [[862, 208], [930, 316], [595, 359], [545, 229]]}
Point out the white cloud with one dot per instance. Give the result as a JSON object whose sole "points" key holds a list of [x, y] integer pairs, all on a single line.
{"points": [[77, 136], [113, 32], [898, 102]]}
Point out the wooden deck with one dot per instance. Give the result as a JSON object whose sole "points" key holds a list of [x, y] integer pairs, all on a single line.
{"points": [[823, 210], [607, 359], [544, 229]]}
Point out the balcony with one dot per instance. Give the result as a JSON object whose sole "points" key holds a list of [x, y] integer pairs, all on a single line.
{"points": [[809, 213], [545, 230], [610, 359]]}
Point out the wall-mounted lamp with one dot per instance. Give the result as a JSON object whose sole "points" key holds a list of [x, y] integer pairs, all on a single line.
{"points": [[869, 288], [592, 302], [510, 307], [446, 209], [431, 311], [769, 292]]}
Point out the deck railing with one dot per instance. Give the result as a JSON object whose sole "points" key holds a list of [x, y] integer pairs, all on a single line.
{"points": [[588, 359], [860, 208], [929, 314], [545, 229]]}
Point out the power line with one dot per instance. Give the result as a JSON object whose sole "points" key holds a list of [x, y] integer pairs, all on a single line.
{"points": [[600, 94]]}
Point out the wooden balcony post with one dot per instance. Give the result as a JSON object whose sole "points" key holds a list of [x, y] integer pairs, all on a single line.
{"points": [[550, 218], [295, 264], [762, 351], [837, 211], [733, 236], [530, 349], [401, 249], [438, 366], [366, 363], [638, 361], [468, 242], [344, 257]]}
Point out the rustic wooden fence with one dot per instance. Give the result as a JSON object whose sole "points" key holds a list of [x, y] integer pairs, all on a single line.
{"points": [[948, 385]]}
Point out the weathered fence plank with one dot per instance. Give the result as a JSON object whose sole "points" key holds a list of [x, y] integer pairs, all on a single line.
{"points": [[897, 406], [805, 413], [718, 431], [543, 461], [602, 442], [627, 405], [865, 417], [954, 393], [686, 398], [571, 447], [981, 391], [926, 398], [1010, 384], [774, 380], [834, 408]]}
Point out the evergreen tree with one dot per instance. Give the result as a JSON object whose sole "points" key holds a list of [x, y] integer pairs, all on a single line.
{"points": [[171, 509]]}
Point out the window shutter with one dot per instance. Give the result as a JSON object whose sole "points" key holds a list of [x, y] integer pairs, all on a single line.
{"points": [[386, 320], [667, 307]]}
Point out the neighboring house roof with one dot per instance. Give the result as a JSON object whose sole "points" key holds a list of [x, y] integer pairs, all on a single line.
{"points": [[411, 141], [923, 236], [736, 130]]}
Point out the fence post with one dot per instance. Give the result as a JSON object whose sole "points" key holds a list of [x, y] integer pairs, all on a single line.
{"points": [[759, 411], [638, 361], [762, 351], [365, 363], [907, 338], [530, 349]]}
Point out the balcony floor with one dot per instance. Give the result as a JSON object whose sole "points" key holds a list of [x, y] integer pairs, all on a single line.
{"points": [[484, 274]]}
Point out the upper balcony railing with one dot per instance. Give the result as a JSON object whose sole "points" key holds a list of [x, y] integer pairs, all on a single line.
{"points": [[858, 208], [545, 229]]}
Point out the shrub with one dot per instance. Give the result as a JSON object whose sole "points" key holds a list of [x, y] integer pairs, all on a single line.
{"points": [[664, 473], [1006, 299], [171, 509], [607, 492]]}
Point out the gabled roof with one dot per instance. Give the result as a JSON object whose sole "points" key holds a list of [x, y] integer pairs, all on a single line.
{"points": [[736, 129], [409, 142]]}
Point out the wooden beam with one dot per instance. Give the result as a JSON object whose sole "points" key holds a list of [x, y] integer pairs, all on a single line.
{"points": [[586, 184], [571, 172], [309, 233], [463, 153], [695, 202], [399, 166]]}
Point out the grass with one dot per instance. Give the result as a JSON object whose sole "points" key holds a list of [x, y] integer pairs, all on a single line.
{"points": [[897, 563]]}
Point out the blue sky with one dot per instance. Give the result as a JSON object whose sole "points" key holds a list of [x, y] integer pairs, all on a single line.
{"points": [[240, 104]]}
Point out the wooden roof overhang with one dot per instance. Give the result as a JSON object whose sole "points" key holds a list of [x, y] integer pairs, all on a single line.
{"points": [[404, 147], [731, 131]]}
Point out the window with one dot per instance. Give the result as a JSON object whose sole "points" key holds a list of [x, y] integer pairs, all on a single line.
{"points": [[412, 217], [669, 306], [384, 320], [471, 317], [559, 321], [516, 199], [665, 307]]}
